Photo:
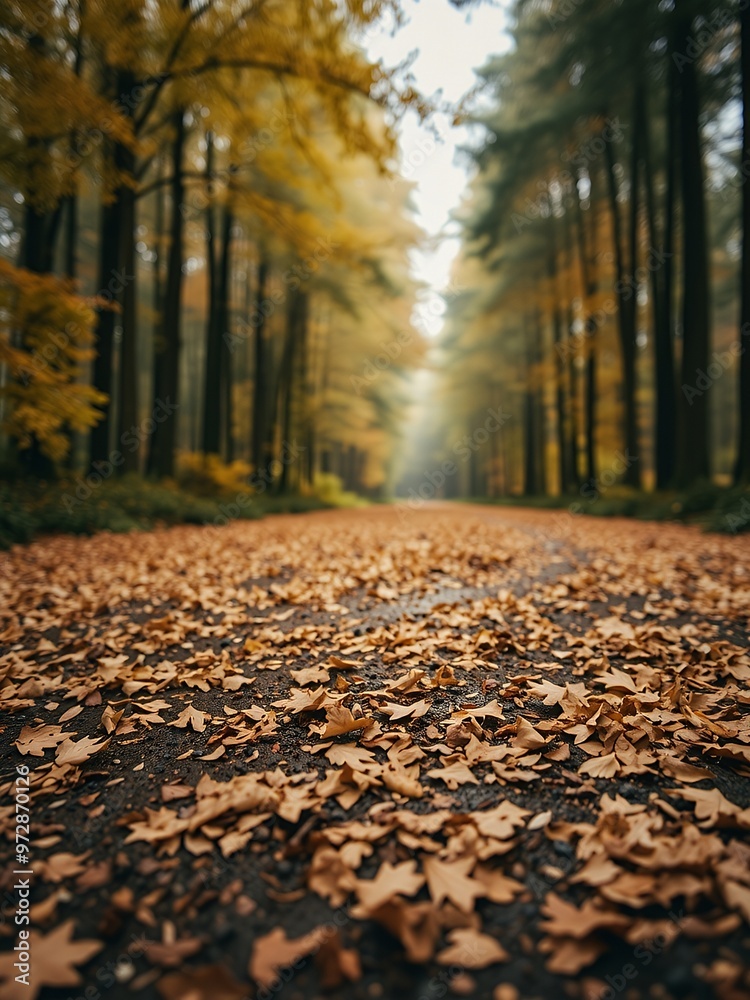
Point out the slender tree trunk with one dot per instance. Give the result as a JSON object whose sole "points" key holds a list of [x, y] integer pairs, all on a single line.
{"points": [[70, 212], [296, 323], [742, 467], [261, 376], [71, 201], [128, 369], [35, 233], [559, 347], [626, 301], [211, 444], [588, 284], [109, 240], [693, 455], [569, 362], [71, 237], [529, 437], [529, 464], [560, 400], [159, 346], [223, 318], [540, 408], [165, 435], [574, 392], [661, 291]]}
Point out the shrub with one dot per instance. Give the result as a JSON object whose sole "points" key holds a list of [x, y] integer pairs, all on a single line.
{"points": [[732, 513], [329, 490], [208, 476]]}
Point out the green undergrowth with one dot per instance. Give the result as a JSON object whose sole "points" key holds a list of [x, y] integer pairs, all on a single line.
{"points": [[715, 508], [29, 508]]}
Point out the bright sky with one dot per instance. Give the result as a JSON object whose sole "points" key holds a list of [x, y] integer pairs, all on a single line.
{"points": [[451, 44]]}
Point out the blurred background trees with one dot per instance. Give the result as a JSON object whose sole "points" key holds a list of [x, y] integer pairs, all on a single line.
{"points": [[203, 239], [605, 258], [204, 250]]}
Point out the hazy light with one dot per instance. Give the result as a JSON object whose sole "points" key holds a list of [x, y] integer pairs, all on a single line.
{"points": [[451, 44]]}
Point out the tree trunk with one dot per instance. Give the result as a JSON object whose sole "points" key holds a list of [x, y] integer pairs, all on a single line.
{"points": [[128, 368], [159, 345], [661, 295], [211, 436], [742, 467], [296, 323], [589, 288], [574, 392], [693, 458], [262, 375], [540, 408], [626, 302], [529, 411], [71, 236], [165, 434], [223, 318], [109, 240], [35, 227]]}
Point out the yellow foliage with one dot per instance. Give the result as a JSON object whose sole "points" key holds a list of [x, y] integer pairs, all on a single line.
{"points": [[46, 335], [329, 489], [207, 475]]}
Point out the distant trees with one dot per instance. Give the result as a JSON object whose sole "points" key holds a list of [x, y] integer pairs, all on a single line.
{"points": [[601, 251], [217, 175]]}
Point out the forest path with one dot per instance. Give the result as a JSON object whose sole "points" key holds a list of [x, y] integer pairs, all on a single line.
{"points": [[381, 753]]}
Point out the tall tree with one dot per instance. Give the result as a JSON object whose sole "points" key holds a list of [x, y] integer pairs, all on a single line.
{"points": [[742, 466], [693, 438]]}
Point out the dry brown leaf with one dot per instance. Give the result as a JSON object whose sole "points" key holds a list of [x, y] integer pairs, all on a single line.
{"points": [[471, 949], [337, 964], [399, 880], [450, 880], [341, 721], [55, 958], [275, 951], [75, 753], [209, 982]]}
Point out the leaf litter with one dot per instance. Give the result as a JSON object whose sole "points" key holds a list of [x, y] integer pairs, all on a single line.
{"points": [[331, 752]]}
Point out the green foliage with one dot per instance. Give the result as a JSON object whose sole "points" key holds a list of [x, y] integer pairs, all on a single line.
{"points": [[715, 508], [29, 508], [127, 504]]}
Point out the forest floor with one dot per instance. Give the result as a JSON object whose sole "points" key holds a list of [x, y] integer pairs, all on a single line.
{"points": [[384, 753]]}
